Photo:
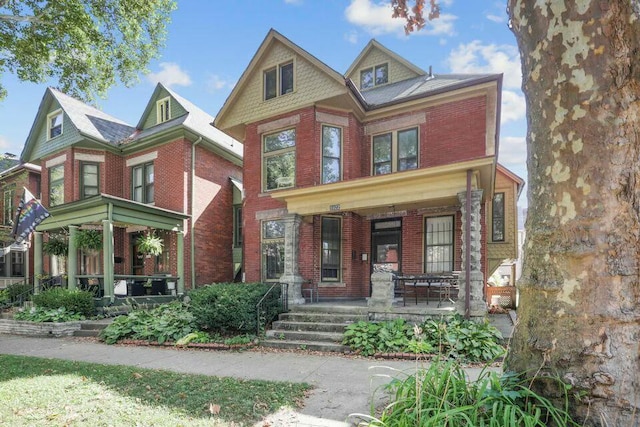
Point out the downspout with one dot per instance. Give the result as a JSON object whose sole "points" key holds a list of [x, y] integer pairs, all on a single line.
{"points": [[192, 240], [467, 249]]}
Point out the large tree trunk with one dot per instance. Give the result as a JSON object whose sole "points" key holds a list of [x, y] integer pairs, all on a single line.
{"points": [[579, 314]]}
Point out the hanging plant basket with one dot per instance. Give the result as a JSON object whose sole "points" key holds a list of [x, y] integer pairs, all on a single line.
{"points": [[150, 244], [56, 246], [89, 240]]}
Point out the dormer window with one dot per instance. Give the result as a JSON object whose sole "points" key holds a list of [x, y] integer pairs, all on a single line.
{"points": [[278, 80], [374, 76], [163, 110], [54, 124]]}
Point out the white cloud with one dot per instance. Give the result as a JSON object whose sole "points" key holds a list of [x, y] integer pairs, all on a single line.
{"points": [[514, 106], [497, 19], [215, 83], [513, 151], [170, 75], [293, 1], [476, 57], [5, 143], [375, 17], [351, 37]]}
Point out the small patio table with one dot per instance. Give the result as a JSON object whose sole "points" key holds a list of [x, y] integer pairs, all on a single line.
{"points": [[442, 283]]}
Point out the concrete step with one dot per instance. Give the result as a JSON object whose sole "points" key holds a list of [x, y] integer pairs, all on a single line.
{"points": [[321, 337], [334, 309], [320, 317], [92, 328], [305, 345], [309, 326]]}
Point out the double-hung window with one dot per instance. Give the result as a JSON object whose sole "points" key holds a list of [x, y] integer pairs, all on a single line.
{"points": [[272, 249], [17, 263], [278, 80], [56, 185], [497, 218], [163, 110], [331, 153], [54, 124], [395, 151], [279, 160], [374, 76], [331, 231], [7, 210], [142, 183], [438, 248], [90, 179]]}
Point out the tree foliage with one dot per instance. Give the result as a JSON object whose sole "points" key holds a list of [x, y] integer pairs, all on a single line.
{"points": [[414, 16], [86, 45]]}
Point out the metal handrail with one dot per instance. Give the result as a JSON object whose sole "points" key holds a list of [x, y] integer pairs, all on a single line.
{"points": [[284, 289]]}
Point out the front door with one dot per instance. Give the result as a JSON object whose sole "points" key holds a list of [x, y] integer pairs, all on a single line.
{"points": [[137, 259], [386, 246]]}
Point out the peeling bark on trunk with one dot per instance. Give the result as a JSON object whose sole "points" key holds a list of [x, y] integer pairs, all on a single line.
{"points": [[579, 314]]}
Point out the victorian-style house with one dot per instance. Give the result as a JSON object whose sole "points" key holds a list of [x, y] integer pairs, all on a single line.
{"points": [[387, 167], [160, 198]]}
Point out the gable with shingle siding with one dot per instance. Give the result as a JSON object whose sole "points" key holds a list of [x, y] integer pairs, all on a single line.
{"points": [[45, 146], [397, 71], [177, 110], [310, 85]]}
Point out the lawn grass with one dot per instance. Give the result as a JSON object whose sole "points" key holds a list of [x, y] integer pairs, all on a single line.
{"points": [[51, 392]]}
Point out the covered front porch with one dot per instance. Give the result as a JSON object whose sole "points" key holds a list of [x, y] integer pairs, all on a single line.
{"points": [[118, 270]]}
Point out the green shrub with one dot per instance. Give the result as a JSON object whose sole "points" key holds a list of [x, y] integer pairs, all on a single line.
{"points": [[443, 396], [19, 290], [168, 322], [4, 296], [369, 338], [41, 314], [73, 300], [231, 307], [463, 339]]}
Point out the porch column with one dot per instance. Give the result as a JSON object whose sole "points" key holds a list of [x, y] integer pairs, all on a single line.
{"points": [[180, 262], [291, 273], [72, 259], [37, 260], [476, 278], [107, 258]]}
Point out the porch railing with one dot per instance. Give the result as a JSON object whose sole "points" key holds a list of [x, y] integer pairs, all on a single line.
{"points": [[263, 314], [129, 285]]}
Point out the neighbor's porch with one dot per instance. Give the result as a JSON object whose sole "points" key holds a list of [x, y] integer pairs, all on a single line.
{"points": [[118, 274]]}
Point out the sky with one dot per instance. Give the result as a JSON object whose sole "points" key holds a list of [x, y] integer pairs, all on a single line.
{"points": [[210, 43]]}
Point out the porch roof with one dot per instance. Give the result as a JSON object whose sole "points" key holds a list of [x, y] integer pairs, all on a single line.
{"points": [[426, 187], [120, 211]]}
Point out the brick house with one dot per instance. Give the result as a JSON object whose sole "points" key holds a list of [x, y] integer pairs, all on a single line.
{"points": [[16, 259], [347, 175], [172, 176]]}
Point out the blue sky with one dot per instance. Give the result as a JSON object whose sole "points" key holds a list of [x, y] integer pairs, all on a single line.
{"points": [[210, 43]]}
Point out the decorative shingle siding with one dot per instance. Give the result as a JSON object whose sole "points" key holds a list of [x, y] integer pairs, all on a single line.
{"points": [[176, 110], [310, 84], [397, 71], [44, 147]]}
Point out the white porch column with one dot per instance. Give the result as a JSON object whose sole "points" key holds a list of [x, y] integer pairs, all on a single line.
{"points": [[107, 258], [477, 307], [72, 259], [37, 260], [291, 273]]}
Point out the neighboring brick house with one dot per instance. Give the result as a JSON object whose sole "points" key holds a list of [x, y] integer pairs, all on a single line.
{"points": [[16, 259], [346, 175], [173, 175]]}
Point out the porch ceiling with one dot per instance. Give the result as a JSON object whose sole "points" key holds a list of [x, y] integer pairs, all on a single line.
{"points": [[105, 207], [428, 187]]}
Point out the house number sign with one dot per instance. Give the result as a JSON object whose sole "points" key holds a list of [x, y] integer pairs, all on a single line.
{"points": [[334, 208]]}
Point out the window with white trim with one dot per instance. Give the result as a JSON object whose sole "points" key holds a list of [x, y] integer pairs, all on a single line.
{"points": [[331, 232], [374, 76], [17, 263], [331, 154], [89, 180], [56, 185], [272, 250], [278, 80], [163, 110], [438, 244], [279, 160], [395, 151], [7, 208], [54, 124]]}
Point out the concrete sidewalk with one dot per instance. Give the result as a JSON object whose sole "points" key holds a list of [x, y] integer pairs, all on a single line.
{"points": [[342, 385]]}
